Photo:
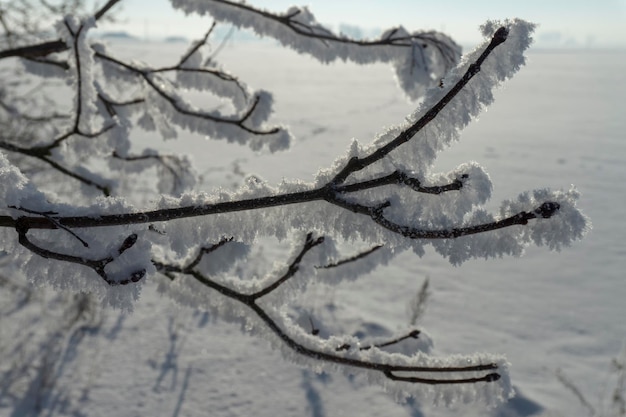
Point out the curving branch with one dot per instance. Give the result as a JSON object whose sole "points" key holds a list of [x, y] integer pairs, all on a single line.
{"points": [[146, 74], [209, 71], [447, 51], [43, 152], [356, 164], [405, 373]]}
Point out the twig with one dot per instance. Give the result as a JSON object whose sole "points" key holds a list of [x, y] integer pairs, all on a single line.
{"points": [[413, 334], [309, 244], [354, 258], [97, 265]]}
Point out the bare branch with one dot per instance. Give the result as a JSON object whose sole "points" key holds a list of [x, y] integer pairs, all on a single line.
{"points": [[387, 369], [79, 77], [43, 152], [146, 75], [103, 188], [331, 191], [376, 213], [213, 72]]}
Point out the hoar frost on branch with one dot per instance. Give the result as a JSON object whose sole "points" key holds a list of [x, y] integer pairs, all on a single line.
{"points": [[381, 195]]}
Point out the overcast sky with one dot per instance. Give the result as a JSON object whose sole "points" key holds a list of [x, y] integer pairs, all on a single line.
{"points": [[585, 23]]}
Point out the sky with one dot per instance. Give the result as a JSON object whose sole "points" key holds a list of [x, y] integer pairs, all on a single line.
{"points": [[576, 23]]}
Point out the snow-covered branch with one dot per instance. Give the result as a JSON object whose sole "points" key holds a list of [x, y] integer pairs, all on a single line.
{"points": [[381, 195], [342, 354], [420, 59]]}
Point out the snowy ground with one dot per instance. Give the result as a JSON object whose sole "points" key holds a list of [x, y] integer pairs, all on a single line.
{"points": [[560, 121]]}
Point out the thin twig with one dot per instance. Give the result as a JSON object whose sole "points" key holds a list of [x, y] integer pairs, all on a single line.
{"points": [[50, 216], [50, 47], [309, 244], [354, 258], [413, 334]]}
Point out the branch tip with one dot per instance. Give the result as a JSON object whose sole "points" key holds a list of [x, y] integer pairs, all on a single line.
{"points": [[500, 36], [492, 377], [547, 209], [128, 243]]}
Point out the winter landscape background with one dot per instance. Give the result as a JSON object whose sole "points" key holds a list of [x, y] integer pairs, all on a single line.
{"points": [[560, 121]]}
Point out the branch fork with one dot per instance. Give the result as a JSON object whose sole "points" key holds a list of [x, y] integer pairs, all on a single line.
{"points": [[344, 354], [97, 265]]}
